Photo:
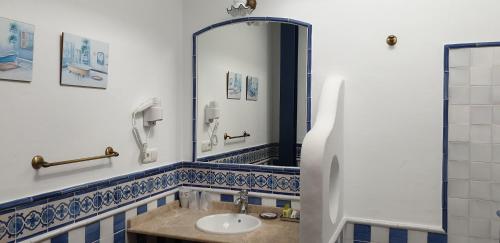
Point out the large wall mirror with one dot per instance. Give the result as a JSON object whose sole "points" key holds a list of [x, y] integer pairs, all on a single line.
{"points": [[251, 96]]}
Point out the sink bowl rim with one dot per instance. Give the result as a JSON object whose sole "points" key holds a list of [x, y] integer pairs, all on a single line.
{"points": [[250, 229]]}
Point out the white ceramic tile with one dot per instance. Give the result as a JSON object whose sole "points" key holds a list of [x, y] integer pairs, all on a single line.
{"points": [[109, 239], [480, 133], [459, 114], [170, 198], [482, 56], [479, 228], [417, 236], [459, 57], [46, 241], [106, 228], [458, 225], [479, 209], [496, 55], [456, 239], [479, 240], [480, 95], [480, 171], [130, 214], [495, 90], [458, 188], [480, 152], [496, 115], [495, 172], [480, 190], [77, 235], [459, 76], [459, 95], [495, 229], [349, 231], [458, 133], [480, 75], [295, 205], [271, 202], [458, 207], [459, 151], [152, 205], [480, 114], [458, 169], [495, 133], [379, 234], [495, 192], [496, 153], [495, 75]]}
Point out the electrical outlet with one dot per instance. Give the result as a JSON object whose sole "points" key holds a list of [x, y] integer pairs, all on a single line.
{"points": [[150, 155], [205, 146]]}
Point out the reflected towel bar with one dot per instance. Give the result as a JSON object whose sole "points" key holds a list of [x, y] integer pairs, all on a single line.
{"points": [[38, 162], [245, 134]]}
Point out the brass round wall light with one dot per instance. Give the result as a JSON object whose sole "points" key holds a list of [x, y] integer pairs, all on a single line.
{"points": [[252, 4], [392, 40]]}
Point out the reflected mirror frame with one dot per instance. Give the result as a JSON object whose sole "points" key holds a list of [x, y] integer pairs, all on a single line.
{"points": [[250, 19]]}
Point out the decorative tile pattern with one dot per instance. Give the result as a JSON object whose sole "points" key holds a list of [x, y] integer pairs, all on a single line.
{"points": [[245, 156], [25, 218]]}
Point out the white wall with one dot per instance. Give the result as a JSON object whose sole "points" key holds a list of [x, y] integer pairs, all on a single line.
{"points": [[244, 49], [61, 123], [393, 97]]}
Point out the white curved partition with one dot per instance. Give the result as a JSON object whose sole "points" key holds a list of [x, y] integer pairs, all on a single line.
{"points": [[321, 170]]}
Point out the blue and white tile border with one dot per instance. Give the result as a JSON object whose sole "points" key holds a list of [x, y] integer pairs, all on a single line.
{"points": [[253, 19], [29, 217], [246, 155]]}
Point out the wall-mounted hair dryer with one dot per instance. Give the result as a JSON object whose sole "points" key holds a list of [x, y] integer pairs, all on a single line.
{"points": [[151, 113]]}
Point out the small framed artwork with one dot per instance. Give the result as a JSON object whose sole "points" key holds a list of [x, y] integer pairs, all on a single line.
{"points": [[234, 85], [84, 62], [252, 88], [16, 50]]}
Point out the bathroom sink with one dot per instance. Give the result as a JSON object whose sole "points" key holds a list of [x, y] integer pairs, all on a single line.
{"points": [[228, 223]]}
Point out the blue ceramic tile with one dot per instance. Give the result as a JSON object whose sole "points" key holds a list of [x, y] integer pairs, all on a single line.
{"points": [[362, 232], [398, 236], [436, 238], [62, 238], [226, 198], [118, 222], [255, 200], [92, 232], [281, 203], [162, 201], [142, 209], [119, 237]]}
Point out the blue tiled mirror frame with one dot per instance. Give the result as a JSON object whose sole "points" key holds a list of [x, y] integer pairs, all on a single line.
{"points": [[251, 19]]}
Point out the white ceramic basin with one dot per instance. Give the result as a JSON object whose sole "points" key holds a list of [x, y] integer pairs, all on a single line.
{"points": [[228, 223]]}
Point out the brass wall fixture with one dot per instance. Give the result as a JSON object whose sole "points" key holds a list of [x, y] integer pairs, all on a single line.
{"points": [[392, 40], [38, 161], [245, 134]]}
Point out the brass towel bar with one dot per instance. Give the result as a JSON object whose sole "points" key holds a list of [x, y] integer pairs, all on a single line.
{"points": [[245, 134], [38, 162]]}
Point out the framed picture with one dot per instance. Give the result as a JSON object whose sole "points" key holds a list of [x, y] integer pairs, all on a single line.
{"points": [[234, 85], [16, 50], [84, 62], [252, 88]]}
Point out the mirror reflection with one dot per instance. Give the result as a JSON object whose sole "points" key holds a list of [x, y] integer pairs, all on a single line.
{"points": [[251, 93]]}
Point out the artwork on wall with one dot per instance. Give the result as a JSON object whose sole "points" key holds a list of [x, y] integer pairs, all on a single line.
{"points": [[84, 62], [234, 85], [252, 88], [16, 50]]}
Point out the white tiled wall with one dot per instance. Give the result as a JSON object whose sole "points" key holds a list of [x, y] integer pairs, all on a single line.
{"points": [[474, 145]]}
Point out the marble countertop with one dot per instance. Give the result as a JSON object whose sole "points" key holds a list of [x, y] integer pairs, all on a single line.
{"points": [[171, 221]]}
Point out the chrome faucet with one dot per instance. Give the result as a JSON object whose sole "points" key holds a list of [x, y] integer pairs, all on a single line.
{"points": [[242, 201]]}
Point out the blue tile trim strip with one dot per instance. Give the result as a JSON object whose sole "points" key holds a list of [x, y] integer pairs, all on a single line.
{"points": [[31, 216], [62, 238], [238, 20], [92, 232], [398, 235]]}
